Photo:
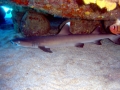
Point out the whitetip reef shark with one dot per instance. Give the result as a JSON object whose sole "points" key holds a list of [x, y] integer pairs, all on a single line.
{"points": [[64, 38]]}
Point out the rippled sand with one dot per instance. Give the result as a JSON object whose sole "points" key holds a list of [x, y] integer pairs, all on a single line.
{"points": [[94, 67]]}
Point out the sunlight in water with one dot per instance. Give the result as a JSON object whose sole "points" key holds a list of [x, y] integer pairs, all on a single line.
{"points": [[8, 11]]}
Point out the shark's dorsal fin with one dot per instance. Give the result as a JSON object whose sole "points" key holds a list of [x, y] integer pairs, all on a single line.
{"points": [[97, 30], [65, 30]]}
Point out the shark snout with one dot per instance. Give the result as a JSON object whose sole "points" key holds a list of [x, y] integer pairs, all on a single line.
{"points": [[11, 42], [15, 43]]}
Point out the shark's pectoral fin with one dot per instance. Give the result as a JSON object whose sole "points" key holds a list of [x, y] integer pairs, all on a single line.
{"points": [[80, 45], [45, 49]]}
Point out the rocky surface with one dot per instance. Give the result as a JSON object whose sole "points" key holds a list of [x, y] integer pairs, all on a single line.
{"points": [[2, 15], [85, 16], [79, 26], [17, 14], [72, 9], [69, 8]]}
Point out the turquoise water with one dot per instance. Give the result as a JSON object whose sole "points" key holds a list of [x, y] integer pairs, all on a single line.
{"points": [[8, 11]]}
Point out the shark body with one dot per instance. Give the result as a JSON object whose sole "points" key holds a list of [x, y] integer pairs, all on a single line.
{"points": [[46, 42]]}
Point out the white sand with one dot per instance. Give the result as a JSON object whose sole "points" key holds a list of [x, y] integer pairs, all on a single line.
{"points": [[93, 67]]}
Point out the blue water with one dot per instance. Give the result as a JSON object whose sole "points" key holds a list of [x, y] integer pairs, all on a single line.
{"points": [[7, 9]]}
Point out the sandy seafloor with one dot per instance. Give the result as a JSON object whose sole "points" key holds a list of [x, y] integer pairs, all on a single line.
{"points": [[94, 67]]}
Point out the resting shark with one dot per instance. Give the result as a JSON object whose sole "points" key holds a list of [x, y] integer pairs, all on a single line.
{"points": [[64, 38]]}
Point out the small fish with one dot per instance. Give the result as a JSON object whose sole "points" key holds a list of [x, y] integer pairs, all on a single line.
{"points": [[46, 42], [115, 28]]}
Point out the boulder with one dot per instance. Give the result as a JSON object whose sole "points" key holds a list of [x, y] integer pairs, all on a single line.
{"points": [[79, 26], [34, 24]]}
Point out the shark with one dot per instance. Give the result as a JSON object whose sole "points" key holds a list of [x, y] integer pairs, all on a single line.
{"points": [[64, 38]]}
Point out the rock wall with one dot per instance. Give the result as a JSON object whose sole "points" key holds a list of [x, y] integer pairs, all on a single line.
{"points": [[2, 15]]}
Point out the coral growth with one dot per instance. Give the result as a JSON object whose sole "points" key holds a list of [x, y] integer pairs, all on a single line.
{"points": [[75, 8], [103, 4]]}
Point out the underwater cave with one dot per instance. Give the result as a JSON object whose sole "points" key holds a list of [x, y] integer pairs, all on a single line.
{"points": [[93, 67]]}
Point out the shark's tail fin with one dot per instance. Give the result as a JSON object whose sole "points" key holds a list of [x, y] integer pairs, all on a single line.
{"points": [[115, 39]]}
